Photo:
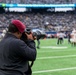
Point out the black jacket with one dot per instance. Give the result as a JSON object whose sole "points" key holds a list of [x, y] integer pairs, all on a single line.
{"points": [[15, 54]]}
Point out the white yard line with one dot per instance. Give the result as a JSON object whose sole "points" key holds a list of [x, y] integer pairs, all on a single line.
{"points": [[55, 70], [57, 57], [54, 51], [55, 47]]}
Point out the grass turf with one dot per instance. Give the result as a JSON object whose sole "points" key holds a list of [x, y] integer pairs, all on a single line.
{"points": [[66, 59]]}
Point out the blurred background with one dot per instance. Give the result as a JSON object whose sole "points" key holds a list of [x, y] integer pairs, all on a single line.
{"points": [[50, 16]]}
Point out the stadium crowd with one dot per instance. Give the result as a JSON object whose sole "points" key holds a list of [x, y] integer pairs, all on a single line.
{"points": [[46, 21], [38, 1]]}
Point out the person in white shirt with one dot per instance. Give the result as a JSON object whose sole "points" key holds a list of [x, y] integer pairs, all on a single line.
{"points": [[60, 36], [3, 34], [73, 38]]}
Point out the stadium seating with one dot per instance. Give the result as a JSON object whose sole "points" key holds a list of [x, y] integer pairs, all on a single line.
{"points": [[39, 1], [62, 21]]}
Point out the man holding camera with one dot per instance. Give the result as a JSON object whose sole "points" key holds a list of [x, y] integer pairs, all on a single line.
{"points": [[15, 53]]}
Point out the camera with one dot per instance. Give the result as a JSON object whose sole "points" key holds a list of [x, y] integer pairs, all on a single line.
{"points": [[40, 34], [36, 33], [24, 36]]}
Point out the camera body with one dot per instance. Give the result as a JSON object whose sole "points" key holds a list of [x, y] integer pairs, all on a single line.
{"points": [[39, 34], [36, 33]]}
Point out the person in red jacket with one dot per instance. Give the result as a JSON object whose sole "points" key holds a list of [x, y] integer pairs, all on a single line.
{"points": [[15, 54]]}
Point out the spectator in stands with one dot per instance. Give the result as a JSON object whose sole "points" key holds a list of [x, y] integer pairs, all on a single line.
{"points": [[65, 21], [15, 54], [39, 1]]}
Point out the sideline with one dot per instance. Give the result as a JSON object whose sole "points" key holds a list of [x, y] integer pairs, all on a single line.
{"points": [[52, 57], [55, 70]]}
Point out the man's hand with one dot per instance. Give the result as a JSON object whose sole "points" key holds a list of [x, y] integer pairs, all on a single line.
{"points": [[29, 36]]}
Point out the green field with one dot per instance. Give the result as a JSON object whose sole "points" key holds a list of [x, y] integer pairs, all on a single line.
{"points": [[53, 59]]}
